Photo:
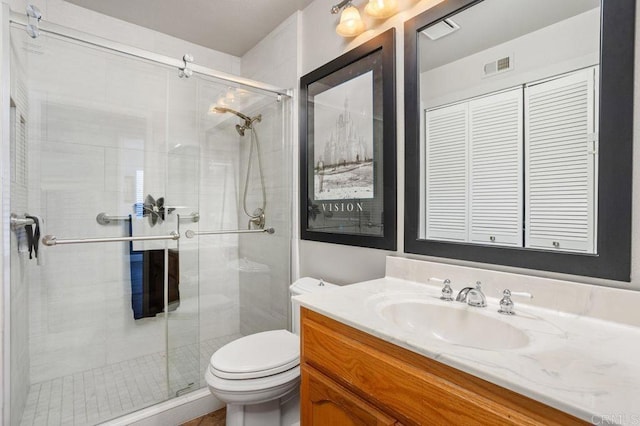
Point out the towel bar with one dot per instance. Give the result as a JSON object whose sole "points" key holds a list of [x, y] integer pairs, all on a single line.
{"points": [[191, 234], [52, 240]]}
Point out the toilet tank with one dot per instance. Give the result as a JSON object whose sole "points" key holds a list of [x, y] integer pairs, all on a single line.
{"points": [[304, 285]]}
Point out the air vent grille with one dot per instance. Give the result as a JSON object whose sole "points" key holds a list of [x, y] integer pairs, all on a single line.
{"points": [[504, 64], [498, 66]]}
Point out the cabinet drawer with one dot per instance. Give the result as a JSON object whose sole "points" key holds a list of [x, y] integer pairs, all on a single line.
{"points": [[412, 388], [330, 404]]}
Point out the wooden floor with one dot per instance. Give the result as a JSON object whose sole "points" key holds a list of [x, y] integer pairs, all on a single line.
{"points": [[217, 418]]}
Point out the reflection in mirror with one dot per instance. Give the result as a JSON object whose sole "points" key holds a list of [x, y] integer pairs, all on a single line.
{"points": [[509, 97], [519, 120]]}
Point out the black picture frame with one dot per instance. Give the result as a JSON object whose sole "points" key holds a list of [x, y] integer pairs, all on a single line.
{"points": [[613, 260], [348, 156]]}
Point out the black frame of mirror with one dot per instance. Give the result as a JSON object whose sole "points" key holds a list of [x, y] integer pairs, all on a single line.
{"points": [[617, 55]]}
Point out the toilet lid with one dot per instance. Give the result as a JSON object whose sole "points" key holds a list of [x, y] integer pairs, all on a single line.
{"points": [[257, 355]]}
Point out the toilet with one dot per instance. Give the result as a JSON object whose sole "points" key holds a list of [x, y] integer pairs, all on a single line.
{"points": [[258, 376]]}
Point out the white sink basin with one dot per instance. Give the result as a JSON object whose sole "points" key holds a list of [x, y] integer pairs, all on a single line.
{"points": [[454, 323]]}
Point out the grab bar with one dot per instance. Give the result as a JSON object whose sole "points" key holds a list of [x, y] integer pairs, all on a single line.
{"points": [[105, 219], [191, 234], [193, 217], [52, 240], [18, 222]]}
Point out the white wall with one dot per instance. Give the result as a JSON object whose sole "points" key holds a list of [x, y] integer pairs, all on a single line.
{"points": [[344, 264], [568, 45]]}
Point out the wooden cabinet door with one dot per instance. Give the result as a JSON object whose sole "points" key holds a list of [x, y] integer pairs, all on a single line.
{"points": [[324, 402]]}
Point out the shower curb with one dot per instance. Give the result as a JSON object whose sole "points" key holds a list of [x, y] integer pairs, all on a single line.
{"points": [[172, 412]]}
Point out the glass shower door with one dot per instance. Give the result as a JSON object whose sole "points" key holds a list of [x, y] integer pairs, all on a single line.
{"points": [[95, 160]]}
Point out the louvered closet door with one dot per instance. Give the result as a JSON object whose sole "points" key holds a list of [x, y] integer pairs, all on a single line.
{"points": [[560, 174], [495, 149], [446, 175]]}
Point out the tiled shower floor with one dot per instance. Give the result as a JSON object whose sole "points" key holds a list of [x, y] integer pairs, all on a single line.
{"points": [[97, 395]]}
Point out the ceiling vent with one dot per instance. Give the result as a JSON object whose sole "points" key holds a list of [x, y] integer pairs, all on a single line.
{"points": [[441, 29], [498, 66]]}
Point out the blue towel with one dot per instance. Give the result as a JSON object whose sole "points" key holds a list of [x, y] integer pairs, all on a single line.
{"points": [[136, 265]]}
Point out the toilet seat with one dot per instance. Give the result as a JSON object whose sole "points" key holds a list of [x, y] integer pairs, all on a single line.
{"points": [[257, 356]]}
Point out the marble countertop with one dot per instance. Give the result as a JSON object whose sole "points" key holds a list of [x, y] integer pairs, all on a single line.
{"points": [[584, 366]]}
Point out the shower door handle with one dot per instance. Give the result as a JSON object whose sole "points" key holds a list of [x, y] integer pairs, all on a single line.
{"points": [[52, 240]]}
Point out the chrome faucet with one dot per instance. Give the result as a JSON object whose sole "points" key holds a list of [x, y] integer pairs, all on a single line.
{"points": [[506, 304], [472, 296]]}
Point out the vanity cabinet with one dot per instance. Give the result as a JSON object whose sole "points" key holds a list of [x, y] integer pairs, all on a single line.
{"points": [[351, 377]]}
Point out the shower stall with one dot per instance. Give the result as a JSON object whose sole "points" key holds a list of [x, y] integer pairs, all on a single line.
{"points": [[146, 221]]}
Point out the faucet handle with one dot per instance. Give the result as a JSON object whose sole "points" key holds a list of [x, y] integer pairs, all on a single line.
{"points": [[447, 291], [522, 294], [506, 304]]}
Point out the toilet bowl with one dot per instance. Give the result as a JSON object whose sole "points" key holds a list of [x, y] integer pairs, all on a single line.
{"points": [[258, 376]]}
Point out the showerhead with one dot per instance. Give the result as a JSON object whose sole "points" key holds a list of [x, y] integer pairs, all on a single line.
{"points": [[248, 121]]}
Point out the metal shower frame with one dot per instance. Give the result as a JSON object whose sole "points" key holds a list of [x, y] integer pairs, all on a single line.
{"points": [[178, 63]]}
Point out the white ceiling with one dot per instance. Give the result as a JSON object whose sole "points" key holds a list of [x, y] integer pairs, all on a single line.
{"points": [[230, 26], [492, 22]]}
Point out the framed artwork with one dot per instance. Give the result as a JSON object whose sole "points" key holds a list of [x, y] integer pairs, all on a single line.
{"points": [[348, 148]]}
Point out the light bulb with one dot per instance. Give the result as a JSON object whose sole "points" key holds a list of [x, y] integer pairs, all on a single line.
{"points": [[350, 23], [381, 9]]}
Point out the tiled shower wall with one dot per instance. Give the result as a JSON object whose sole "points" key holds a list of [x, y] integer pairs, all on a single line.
{"points": [[266, 274], [20, 261]]}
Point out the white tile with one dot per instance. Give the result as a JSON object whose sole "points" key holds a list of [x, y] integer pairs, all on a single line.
{"points": [[86, 173]]}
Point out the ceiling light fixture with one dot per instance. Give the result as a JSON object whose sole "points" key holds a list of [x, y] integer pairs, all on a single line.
{"points": [[381, 9], [351, 23]]}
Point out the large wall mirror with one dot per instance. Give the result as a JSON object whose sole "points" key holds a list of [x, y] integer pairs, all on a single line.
{"points": [[519, 117]]}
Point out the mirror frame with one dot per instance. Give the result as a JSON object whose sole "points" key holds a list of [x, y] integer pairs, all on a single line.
{"points": [[615, 160]]}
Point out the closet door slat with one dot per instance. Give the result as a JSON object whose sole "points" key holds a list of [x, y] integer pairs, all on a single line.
{"points": [[560, 150], [495, 167]]}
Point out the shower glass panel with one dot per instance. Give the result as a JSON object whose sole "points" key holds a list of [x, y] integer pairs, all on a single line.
{"points": [[107, 145], [97, 133], [244, 278]]}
